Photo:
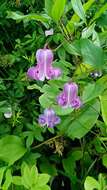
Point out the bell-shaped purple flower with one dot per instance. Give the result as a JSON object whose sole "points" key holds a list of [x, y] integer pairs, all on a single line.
{"points": [[49, 118], [69, 97], [44, 68]]}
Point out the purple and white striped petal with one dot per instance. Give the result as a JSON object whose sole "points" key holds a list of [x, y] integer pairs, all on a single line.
{"points": [[76, 103], [44, 68], [49, 118], [69, 96], [33, 73]]}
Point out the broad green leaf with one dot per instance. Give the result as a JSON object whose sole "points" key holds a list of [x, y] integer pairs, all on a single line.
{"points": [[75, 18], [58, 9], [18, 16], [92, 91], [2, 170], [78, 8], [83, 123], [91, 184], [11, 149], [92, 55], [48, 6], [103, 100], [72, 48]]}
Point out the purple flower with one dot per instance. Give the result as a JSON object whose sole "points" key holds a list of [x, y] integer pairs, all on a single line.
{"points": [[49, 118], [69, 97], [44, 68]]}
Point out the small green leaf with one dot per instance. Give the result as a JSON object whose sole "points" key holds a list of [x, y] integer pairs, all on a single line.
{"points": [[91, 184], [103, 100], [78, 8], [104, 160], [34, 86], [8, 180], [2, 170], [42, 179], [58, 9]]}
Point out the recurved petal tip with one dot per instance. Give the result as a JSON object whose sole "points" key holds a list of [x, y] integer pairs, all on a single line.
{"points": [[76, 103], [32, 73]]}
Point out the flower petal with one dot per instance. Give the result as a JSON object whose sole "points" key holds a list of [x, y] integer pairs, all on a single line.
{"points": [[49, 32], [62, 100], [76, 102], [42, 120], [44, 60], [33, 73]]}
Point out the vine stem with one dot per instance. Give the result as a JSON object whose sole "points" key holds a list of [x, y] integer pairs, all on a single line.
{"points": [[45, 142]]}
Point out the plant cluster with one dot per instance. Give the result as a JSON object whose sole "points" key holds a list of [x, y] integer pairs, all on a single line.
{"points": [[53, 95]]}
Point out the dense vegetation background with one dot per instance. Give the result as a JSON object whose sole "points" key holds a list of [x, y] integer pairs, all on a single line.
{"points": [[72, 154]]}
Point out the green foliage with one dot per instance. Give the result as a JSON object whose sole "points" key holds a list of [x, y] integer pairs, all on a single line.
{"points": [[84, 121], [78, 8], [77, 147], [11, 148], [58, 9], [31, 179]]}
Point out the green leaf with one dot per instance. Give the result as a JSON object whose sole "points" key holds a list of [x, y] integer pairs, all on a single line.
{"points": [[91, 184], [17, 180], [42, 179], [78, 8], [8, 180], [34, 175], [48, 6], [34, 86], [103, 100], [29, 176], [11, 149], [47, 167], [75, 18], [92, 54], [104, 160], [83, 123], [99, 12], [92, 91], [72, 48], [69, 164], [62, 111], [18, 16], [58, 9], [2, 170]]}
